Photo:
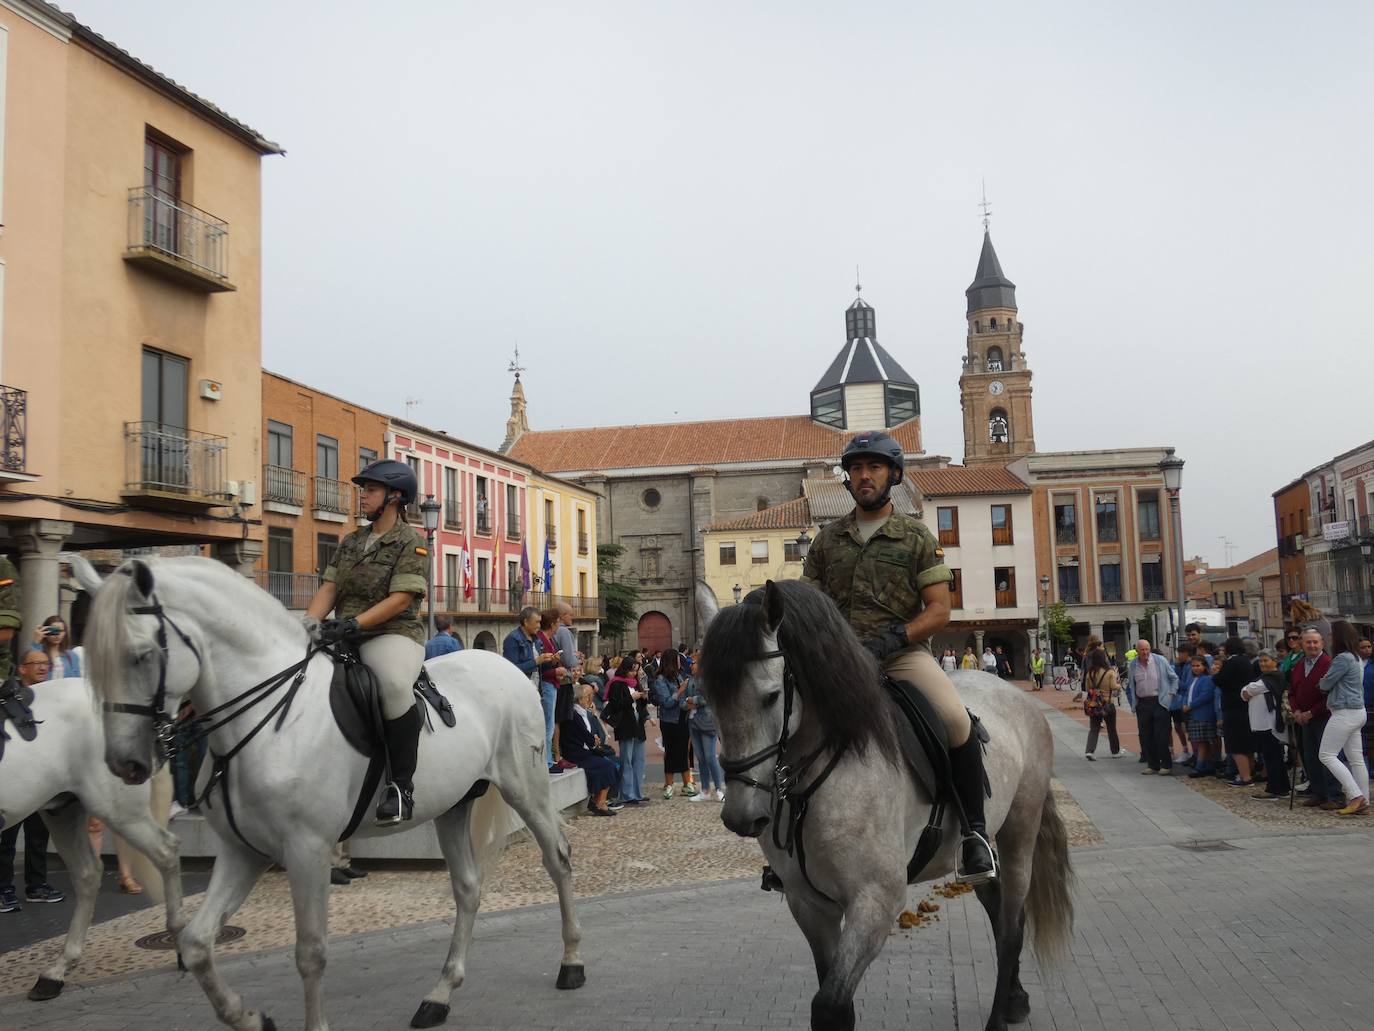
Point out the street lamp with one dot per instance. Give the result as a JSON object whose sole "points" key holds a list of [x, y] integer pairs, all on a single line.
{"points": [[803, 543], [1172, 468], [429, 511], [1040, 629], [737, 590]]}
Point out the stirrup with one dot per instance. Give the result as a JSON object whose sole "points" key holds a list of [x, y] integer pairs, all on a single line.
{"points": [[981, 876], [396, 805]]}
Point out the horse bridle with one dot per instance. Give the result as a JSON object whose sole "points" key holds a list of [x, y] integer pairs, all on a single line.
{"points": [[164, 729], [785, 777]]}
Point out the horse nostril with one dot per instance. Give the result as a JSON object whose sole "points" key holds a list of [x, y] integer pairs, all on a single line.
{"points": [[136, 773], [757, 827]]}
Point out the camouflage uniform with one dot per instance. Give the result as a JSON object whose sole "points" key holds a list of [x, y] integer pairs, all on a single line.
{"points": [[9, 613], [879, 583], [398, 562]]}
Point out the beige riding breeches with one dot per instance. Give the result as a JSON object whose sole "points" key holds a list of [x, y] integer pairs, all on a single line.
{"points": [[396, 662], [920, 668]]}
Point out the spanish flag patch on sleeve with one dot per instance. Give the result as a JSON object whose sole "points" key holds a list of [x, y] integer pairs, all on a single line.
{"points": [[421, 551], [6, 582]]}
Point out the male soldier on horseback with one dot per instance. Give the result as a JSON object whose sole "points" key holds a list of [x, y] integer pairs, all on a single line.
{"points": [[887, 574]]}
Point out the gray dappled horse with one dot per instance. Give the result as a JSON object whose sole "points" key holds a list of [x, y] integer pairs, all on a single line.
{"points": [[165, 629], [789, 648]]}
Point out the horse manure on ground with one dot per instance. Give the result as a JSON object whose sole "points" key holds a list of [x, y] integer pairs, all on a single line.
{"points": [[951, 889]]}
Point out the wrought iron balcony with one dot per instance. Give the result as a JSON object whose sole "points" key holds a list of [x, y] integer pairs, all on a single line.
{"points": [[1111, 593], [453, 513], [173, 468], [512, 527], [551, 535], [294, 590], [14, 422], [283, 486], [1107, 534], [1073, 597], [1066, 535], [332, 497], [583, 542], [484, 522], [178, 241], [1154, 592]]}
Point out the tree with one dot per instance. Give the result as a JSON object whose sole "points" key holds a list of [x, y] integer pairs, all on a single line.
{"points": [[1146, 624], [1058, 625], [621, 598]]}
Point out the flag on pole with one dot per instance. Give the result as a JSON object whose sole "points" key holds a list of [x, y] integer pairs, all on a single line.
{"points": [[465, 572], [548, 568], [524, 567]]}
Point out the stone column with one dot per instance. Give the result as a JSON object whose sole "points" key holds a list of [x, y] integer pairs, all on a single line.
{"points": [[978, 646], [242, 555], [1096, 630], [39, 570]]}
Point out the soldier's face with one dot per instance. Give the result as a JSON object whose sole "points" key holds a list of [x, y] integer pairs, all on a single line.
{"points": [[374, 497], [868, 478]]}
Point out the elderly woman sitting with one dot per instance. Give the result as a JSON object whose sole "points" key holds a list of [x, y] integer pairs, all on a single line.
{"points": [[583, 742]]}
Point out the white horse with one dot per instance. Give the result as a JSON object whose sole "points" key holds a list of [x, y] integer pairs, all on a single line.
{"points": [[174, 627], [797, 696], [61, 775]]}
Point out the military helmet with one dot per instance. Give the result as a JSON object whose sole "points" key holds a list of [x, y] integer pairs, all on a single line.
{"points": [[875, 444], [392, 475]]}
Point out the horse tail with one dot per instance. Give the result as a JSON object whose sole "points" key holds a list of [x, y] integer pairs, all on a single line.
{"points": [[1049, 901], [489, 828], [159, 809]]}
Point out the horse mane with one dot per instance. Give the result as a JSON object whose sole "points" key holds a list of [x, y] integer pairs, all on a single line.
{"points": [[835, 675], [107, 633]]}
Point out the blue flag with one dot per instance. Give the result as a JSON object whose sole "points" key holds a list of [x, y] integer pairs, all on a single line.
{"points": [[548, 568]]}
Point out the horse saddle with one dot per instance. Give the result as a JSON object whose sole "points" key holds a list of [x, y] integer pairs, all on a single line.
{"points": [[925, 747], [355, 700], [16, 703]]}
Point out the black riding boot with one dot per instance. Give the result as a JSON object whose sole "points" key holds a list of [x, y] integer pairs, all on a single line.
{"points": [[977, 862], [402, 744]]}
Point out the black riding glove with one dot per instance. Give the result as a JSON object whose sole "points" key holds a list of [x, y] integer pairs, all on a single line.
{"points": [[888, 643], [332, 631]]}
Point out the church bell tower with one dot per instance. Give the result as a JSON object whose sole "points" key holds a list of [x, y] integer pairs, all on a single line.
{"points": [[995, 386]]}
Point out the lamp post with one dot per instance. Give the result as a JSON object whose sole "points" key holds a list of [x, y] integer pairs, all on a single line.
{"points": [[1040, 629], [737, 590], [429, 511], [803, 543], [1172, 468]]}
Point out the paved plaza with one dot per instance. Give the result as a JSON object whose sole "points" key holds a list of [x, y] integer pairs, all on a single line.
{"points": [[1270, 930]]}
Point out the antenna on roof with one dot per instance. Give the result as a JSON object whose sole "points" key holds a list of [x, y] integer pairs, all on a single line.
{"points": [[411, 404], [858, 283], [515, 365], [986, 206]]}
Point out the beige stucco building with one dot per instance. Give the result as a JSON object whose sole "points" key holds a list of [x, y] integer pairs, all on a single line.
{"points": [[130, 305]]}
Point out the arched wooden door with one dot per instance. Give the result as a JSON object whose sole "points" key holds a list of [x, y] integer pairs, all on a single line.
{"points": [[655, 632]]}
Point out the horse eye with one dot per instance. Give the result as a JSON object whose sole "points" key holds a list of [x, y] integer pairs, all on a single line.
{"points": [[772, 699]]}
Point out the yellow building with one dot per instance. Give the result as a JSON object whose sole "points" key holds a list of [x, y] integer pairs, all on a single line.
{"points": [[746, 553], [130, 305], [562, 516]]}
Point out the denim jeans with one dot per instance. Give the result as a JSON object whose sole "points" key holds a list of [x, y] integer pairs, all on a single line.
{"points": [[704, 745], [548, 694], [632, 769]]}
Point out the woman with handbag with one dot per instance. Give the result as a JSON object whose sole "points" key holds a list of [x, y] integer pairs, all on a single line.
{"points": [[1100, 687], [626, 712]]}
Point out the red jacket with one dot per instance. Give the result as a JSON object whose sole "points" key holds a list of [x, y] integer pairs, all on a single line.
{"points": [[1303, 693]]}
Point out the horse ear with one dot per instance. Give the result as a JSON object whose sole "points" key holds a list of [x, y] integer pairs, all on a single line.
{"points": [[772, 605], [707, 606], [84, 572], [143, 577]]}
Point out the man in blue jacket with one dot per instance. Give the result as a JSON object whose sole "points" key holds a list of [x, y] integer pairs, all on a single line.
{"points": [[443, 641], [1151, 684], [519, 646]]}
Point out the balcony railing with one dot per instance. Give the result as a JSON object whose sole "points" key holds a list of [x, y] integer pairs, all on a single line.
{"points": [[1066, 535], [294, 590], [1355, 603], [551, 535], [1154, 592], [1149, 531], [453, 513], [512, 527], [283, 486], [1111, 593], [1071, 597], [178, 239], [332, 496], [14, 421], [1108, 534], [484, 522], [583, 542], [450, 601], [176, 467], [1006, 599]]}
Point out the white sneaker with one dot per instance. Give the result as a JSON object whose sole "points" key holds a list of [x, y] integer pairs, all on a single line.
{"points": [[720, 795], [176, 810], [696, 798]]}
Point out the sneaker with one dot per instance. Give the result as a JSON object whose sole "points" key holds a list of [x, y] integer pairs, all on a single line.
{"points": [[720, 795], [1147, 772], [1265, 796], [43, 893], [1090, 757], [668, 792], [697, 798], [1236, 782], [1304, 787], [689, 789], [176, 810], [615, 807], [9, 901]]}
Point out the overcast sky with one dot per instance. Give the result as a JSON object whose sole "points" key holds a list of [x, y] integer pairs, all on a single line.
{"points": [[664, 204]]}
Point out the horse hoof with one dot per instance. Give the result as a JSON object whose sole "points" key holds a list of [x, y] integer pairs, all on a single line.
{"points": [[430, 1014], [268, 1024], [46, 988], [1017, 1009], [572, 976], [181, 963]]}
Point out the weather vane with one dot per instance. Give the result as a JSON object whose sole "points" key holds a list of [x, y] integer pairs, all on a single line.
{"points": [[986, 206], [515, 365]]}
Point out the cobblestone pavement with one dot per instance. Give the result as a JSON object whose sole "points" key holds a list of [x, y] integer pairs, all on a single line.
{"points": [[1165, 937]]}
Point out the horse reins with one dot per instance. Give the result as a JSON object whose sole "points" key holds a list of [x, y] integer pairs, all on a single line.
{"points": [[163, 727], [785, 777]]}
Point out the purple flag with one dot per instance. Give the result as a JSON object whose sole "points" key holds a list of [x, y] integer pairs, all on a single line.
{"points": [[524, 568]]}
